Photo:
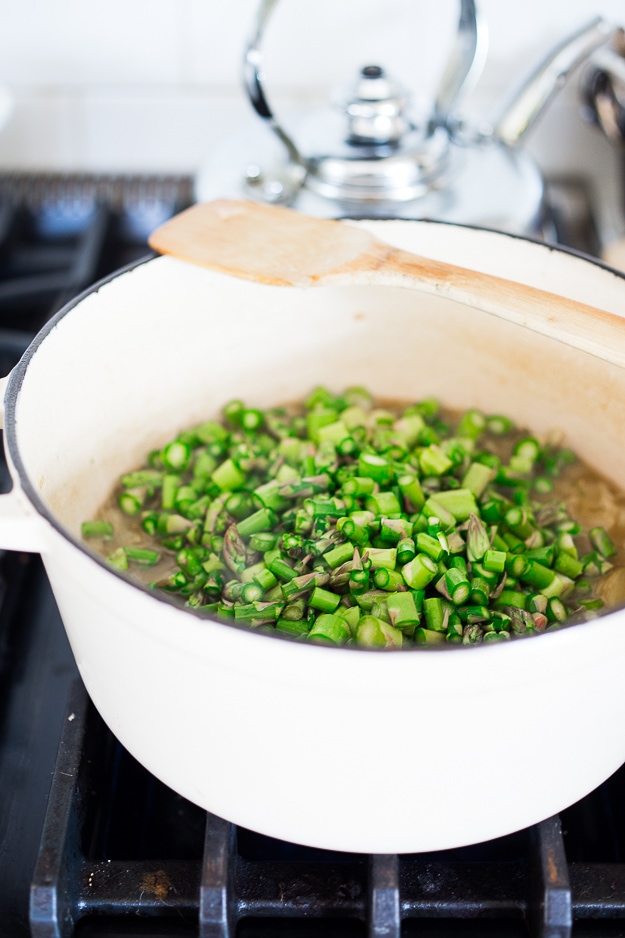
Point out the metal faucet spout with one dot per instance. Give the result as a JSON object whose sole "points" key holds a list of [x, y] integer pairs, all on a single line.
{"points": [[522, 112]]}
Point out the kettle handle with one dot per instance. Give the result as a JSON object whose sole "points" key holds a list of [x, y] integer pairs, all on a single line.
{"points": [[465, 64], [252, 78]]}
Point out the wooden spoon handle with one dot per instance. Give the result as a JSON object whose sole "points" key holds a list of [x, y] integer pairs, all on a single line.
{"points": [[592, 330], [276, 245]]}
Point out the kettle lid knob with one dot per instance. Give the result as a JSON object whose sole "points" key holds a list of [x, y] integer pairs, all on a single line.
{"points": [[376, 108]]}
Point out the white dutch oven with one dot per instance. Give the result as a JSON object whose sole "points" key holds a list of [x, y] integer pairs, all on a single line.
{"points": [[352, 750]]}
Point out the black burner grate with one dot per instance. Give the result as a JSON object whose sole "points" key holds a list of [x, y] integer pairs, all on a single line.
{"points": [[116, 859], [219, 880], [59, 234]]}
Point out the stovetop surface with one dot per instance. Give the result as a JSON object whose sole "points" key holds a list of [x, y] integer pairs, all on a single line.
{"points": [[91, 844], [58, 235]]}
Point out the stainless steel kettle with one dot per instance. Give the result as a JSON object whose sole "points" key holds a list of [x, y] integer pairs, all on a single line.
{"points": [[372, 159]]}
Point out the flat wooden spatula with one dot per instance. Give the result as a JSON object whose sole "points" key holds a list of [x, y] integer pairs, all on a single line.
{"points": [[280, 246]]}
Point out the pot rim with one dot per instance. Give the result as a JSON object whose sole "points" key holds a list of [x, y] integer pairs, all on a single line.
{"points": [[18, 375]]}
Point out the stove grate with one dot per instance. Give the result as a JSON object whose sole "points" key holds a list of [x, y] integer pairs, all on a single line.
{"points": [[59, 234], [224, 881]]}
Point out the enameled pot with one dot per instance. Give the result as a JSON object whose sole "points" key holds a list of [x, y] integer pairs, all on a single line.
{"points": [[338, 748]]}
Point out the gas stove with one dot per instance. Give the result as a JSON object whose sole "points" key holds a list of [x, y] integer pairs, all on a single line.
{"points": [[90, 843]]}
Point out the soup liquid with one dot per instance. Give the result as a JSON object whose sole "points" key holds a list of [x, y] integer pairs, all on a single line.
{"points": [[591, 500]]}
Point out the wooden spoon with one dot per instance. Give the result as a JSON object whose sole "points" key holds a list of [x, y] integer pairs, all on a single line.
{"points": [[279, 246]]}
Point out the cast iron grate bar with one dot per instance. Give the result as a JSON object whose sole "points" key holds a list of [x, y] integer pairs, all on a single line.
{"points": [[217, 919], [222, 885], [552, 892], [71, 269], [52, 903], [117, 190], [383, 897]]}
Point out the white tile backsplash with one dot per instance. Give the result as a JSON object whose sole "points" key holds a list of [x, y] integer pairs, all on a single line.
{"points": [[77, 43], [153, 84]]}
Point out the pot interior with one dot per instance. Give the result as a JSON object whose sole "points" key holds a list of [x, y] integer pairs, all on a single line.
{"points": [[165, 345]]}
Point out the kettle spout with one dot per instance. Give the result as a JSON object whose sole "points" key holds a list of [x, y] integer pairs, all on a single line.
{"points": [[538, 89]]}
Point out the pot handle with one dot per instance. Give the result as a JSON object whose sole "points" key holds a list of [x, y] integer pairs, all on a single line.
{"points": [[21, 528]]}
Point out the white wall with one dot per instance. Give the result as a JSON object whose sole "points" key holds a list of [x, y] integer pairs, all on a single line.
{"points": [[122, 85]]}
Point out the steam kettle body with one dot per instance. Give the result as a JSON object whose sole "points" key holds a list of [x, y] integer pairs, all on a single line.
{"points": [[370, 158]]}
